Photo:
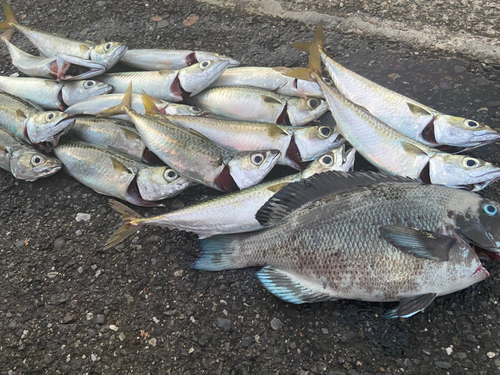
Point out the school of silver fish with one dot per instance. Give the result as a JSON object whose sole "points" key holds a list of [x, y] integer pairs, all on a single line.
{"points": [[410, 233]]}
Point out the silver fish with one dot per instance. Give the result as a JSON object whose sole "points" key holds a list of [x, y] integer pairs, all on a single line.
{"points": [[271, 79], [168, 84], [363, 236], [298, 146], [42, 129], [23, 161], [407, 116], [112, 173], [50, 94], [231, 213], [97, 104], [161, 59], [253, 104]]}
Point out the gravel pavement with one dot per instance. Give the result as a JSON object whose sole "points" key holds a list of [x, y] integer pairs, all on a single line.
{"points": [[68, 306]]}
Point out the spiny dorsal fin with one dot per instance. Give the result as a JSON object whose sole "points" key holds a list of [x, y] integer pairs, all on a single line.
{"points": [[300, 193], [417, 110], [421, 243]]}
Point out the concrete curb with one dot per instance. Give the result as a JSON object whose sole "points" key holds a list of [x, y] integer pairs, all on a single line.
{"points": [[428, 37]]}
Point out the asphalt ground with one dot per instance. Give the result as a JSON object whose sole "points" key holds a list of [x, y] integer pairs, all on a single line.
{"points": [[68, 306]]}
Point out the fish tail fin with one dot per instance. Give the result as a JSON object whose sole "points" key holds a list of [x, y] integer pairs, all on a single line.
{"points": [[314, 68], [217, 253], [131, 223], [148, 104], [10, 19], [123, 107]]}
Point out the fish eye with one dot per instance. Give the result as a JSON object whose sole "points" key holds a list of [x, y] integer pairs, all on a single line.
{"points": [[325, 131], [107, 47], [257, 158], [204, 64], [195, 109], [50, 115], [471, 123], [89, 83], [328, 81], [312, 103], [170, 175], [36, 160], [470, 163], [490, 209], [326, 160]]}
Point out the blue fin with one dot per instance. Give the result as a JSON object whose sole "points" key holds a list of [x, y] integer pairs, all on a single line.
{"points": [[287, 287], [216, 254], [411, 305], [420, 243]]}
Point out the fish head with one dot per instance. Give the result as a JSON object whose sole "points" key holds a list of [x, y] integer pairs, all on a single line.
{"points": [[337, 159], [461, 132], [156, 183], [304, 110], [108, 53], [204, 56], [198, 77], [48, 127], [313, 141], [248, 168], [462, 171], [75, 92], [30, 165]]}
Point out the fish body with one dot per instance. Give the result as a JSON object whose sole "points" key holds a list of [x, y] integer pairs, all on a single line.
{"points": [[162, 59], [253, 104], [115, 174], [363, 236], [22, 160], [95, 105], [169, 85], [30, 124], [298, 146], [231, 213], [50, 94]]}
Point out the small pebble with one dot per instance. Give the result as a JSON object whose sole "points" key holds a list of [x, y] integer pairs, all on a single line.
{"points": [[121, 336], [82, 217], [113, 327], [224, 323], [152, 342], [491, 355], [276, 324], [443, 365], [449, 350], [99, 319]]}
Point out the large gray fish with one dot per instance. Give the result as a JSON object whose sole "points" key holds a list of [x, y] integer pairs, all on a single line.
{"points": [[161, 59], [195, 156], [364, 236], [106, 54], [113, 133], [271, 79], [298, 146], [407, 116], [51, 67], [394, 152], [97, 104], [112, 173], [41, 129], [231, 213], [22, 160], [50, 94], [253, 104], [171, 85]]}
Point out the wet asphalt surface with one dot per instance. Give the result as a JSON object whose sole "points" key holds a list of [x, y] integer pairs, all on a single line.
{"points": [[68, 306]]}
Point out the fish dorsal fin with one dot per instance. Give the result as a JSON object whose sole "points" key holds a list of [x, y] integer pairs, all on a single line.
{"points": [[409, 306], [290, 287], [148, 104], [21, 114], [417, 110], [270, 99], [274, 130], [318, 186], [119, 167], [421, 243]]}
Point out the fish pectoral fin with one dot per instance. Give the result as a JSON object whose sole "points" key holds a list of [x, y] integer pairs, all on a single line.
{"points": [[409, 306], [421, 243], [21, 114], [290, 288], [417, 110], [83, 48], [119, 167], [270, 100], [274, 130]]}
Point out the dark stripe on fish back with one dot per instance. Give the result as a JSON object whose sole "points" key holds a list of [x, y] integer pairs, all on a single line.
{"points": [[225, 181]]}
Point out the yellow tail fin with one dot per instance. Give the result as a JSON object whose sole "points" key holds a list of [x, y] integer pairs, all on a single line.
{"points": [[10, 19], [129, 227], [123, 107], [148, 104]]}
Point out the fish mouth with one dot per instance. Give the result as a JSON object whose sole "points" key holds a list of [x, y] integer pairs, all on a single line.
{"points": [[489, 178]]}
